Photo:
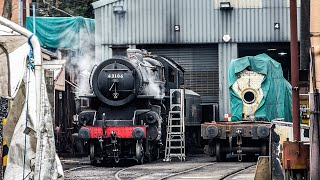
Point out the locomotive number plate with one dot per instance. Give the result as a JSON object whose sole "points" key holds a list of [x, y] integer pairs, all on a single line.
{"points": [[112, 76]]}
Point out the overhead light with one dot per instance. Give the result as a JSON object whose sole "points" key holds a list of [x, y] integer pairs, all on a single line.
{"points": [[226, 38], [118, 9], [282, 53], [225, 6], [271, 49]]}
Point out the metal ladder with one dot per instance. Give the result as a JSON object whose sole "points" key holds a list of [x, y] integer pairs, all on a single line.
{"points": [[175, 141]]}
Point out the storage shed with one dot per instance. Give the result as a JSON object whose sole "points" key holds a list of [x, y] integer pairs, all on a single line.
{"points": [[201, 35]]}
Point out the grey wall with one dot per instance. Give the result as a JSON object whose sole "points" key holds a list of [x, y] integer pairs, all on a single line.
{"points": [[227, 51], [201, 21]]}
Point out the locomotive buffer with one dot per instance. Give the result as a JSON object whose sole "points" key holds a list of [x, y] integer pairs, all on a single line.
{"points": [[175, 141]]}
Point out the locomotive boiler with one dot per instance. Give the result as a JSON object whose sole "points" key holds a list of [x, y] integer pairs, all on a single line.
{"points": [[258, 94], [125, 117]]}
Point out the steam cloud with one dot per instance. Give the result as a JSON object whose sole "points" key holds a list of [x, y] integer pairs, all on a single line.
{"points": [[152, 88], [82, 63]]}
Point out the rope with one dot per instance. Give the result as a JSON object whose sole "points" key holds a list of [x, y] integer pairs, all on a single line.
{"points": [[30, 67], [31, 57]]}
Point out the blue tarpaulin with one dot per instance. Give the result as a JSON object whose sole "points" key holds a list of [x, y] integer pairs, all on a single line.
{"points": [[277, 91], [63, 32]]}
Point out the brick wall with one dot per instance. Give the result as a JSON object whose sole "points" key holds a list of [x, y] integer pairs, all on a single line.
{"points": [[15, 9]]}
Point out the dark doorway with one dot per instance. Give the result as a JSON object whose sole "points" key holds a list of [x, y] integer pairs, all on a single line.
{"points": [[277, 51]]}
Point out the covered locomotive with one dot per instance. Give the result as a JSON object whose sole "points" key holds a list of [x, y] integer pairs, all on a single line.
{"points": [[125, 118], [258, 94]]}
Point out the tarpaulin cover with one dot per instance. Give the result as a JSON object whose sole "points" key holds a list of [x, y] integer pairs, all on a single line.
{"points": [[277, 91], [28, 129], [9, 43], [63, 32]]}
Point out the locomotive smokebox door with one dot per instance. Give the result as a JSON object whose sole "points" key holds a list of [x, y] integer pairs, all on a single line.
{"points": [[114, 81], [248, 87]]}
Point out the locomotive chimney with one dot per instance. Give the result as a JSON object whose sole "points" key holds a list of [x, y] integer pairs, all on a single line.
{"points": [[119, 50]]}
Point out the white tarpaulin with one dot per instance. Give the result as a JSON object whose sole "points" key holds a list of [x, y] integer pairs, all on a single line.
{"points": [[32, 153], [10, 42]]}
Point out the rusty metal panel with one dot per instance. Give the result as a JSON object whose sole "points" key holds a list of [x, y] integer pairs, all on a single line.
{"points": [[296, 155]]}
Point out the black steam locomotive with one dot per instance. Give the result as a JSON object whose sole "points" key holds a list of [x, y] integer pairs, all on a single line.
{"points": [[126, 116]]}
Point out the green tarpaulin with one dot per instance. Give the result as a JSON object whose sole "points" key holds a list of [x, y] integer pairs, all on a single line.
{"points": [[277, 91], [63, 32]]}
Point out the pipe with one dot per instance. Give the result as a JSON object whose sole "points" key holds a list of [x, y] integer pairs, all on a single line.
{"points": [[314, 90], [27, 8], [119, 50], [24, 13], [304, 34], [34, 40], [294, 70], [34, 17], [20, 12]]}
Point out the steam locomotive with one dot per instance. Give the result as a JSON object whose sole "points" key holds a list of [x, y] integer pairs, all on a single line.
{"points": [[258, 94], [126, 116]]}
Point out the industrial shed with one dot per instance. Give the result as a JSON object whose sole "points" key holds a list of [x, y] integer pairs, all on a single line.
{"points": [[201, 35]]}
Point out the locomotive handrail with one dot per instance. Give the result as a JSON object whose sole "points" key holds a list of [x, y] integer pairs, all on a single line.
{"points": [[138, 112], [90, 77], [145, 96]]}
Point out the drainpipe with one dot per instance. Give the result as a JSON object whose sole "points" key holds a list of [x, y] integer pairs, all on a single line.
{"points": [[24, 13], [20, 6], [305, 35], [314, 90]]}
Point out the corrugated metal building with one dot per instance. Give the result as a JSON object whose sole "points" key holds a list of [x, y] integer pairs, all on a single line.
{"points": [[191, 32]]}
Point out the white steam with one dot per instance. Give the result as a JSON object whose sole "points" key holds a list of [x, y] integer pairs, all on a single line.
{"points": [[81, 62], [153, 86], [85, 67]]}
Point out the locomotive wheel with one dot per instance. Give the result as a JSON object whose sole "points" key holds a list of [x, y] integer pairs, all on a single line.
{"points": [[139, 152], [220, 155], [93, 159]]}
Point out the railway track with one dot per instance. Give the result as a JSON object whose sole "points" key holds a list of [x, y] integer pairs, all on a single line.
{"points": [[214, 170], [186, 171], [167, 171], [237, 174]]}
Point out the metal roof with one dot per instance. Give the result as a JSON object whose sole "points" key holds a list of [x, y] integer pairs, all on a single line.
{"points": [[102, 3]]}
